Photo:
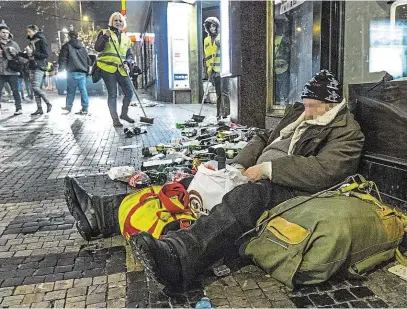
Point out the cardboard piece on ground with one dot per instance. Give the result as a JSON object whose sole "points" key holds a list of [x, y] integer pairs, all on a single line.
{"points": [[399, 270]]}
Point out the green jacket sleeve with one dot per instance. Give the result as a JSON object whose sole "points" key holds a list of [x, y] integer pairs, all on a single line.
{"points": [[249, 154], [337, 159]]}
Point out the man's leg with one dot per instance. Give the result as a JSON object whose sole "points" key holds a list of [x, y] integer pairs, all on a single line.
{"points": [[211, 237], [84, 92], [37, 78], [13, 81], [125, 85], [2, 82], [218, 89], [70, 90]]}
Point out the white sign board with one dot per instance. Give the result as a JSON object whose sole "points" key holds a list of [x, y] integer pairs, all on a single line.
{"points": [[178, 49], [287, 5]]}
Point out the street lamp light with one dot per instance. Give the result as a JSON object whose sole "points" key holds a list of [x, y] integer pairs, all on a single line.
{"points": [[85, 18]]}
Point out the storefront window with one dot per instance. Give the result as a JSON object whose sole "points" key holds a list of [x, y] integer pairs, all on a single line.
{"points": [[372, 44], [293, 49]]}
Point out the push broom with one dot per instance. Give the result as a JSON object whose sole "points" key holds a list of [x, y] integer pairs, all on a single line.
{"points": [[142, 119], [199, 117]]}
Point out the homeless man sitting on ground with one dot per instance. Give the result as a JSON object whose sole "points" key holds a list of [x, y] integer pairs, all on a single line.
{"points": [[315, 146]]}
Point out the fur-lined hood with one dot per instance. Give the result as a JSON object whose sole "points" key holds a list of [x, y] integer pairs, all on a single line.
{"points": [[209, 21]]}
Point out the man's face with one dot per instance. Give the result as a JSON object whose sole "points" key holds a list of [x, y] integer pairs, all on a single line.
{"points": [[118, 22], [212, 28], [4, 34], [30, 33], [315, 108]]}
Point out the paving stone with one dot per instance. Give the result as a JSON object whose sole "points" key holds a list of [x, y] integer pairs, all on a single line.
{"points": [[12, 300], [115, 293], [239, 302], [44, 287], [97, 289], [343, 295], [341, 305], [116, 277], [321, 299], [302, 302], [55, 295], [99, 280], [34, 279], [12, 282], [117, 303], [377, 303], [72, 275], [80, 304], [101, 305], [361, 292], [53, 277], [24, 289], [63, 285], [44, 304], [83, 282], [75, 299], [33, 298], [77, 291], [95, 298], [6, 291], [359, 304]]}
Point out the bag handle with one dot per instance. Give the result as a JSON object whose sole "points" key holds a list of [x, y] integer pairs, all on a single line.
{"points": [[170, 190]]}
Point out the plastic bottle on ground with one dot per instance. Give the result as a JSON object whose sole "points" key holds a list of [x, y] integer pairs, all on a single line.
{"points": [[205, 302]]}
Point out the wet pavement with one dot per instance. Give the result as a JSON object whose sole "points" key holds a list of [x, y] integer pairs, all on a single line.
{"points": [[44, 262]]}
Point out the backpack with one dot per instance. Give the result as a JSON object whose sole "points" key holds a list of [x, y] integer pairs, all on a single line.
{"points": [[306, 240], [155, 210]]}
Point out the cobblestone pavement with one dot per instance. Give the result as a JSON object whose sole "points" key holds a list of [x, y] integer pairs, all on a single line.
{"points": [[44, 262]]}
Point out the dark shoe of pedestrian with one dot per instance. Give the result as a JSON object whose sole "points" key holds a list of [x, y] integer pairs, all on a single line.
{"points": [[66, 109], [19, 111], [37, 112], [160, 260], [117, 123], [82, 112], [49, 107], [126, 118]]}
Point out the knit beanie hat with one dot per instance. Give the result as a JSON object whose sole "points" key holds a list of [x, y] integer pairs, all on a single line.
{"points": [[73, 34], [4, 26], [33, 28], [323, 87]]}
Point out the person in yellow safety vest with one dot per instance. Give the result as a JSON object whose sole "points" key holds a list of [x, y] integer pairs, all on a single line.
{"points": [[112, 70], [212, 58]]}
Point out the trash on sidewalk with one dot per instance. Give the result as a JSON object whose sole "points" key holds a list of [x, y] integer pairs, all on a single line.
{"points": [[121, 173], [205, 302], [399, 270], [130, 132], [130, 146]]}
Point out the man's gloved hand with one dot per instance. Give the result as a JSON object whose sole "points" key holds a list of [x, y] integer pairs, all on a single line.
{"points": [[217, 42], [126, 67]]}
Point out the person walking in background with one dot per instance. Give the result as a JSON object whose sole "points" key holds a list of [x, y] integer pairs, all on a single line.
{"points": [[37, 54], [135, 72], [75, 60], [110, 64], [8, 74]]}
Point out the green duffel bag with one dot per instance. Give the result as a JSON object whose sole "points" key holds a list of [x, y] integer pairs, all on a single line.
{"points": [[306, 240]]}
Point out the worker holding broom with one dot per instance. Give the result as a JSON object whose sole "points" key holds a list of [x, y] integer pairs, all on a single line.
{"points": [[114, 61], [212, 58]]}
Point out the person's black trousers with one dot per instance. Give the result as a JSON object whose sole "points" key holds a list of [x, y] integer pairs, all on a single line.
{"points": [[216, 236]]}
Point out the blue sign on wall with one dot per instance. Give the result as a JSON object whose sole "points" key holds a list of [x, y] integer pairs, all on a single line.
{"points": [[180, 76]]}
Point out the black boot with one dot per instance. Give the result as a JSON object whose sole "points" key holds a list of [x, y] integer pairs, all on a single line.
{"points": [[126, 118], [117, 123], [37, 112], [160, 260], [49, 107]]}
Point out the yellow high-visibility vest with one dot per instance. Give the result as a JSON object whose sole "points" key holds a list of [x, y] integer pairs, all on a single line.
{"points": [[212, 55], [108, 60]]}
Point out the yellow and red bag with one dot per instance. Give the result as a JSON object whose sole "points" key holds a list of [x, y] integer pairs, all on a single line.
{"points": [[152, 208]]}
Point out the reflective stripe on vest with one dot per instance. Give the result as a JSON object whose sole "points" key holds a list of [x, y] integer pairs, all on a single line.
{"points": [[212, 55], [108, 59]]}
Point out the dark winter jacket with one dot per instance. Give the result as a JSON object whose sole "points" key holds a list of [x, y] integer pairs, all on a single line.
{"points": [[74, 57], [40, 54], [323, 156], [6, 56]]}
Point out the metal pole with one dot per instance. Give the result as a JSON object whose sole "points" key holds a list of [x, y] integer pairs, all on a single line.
{"points": [[80, 13]]}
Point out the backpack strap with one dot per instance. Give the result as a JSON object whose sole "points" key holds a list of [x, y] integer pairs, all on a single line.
{"points": [[171, 190]]}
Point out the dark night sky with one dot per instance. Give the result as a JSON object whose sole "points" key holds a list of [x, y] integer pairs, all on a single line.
{"points": [[50, 15]]}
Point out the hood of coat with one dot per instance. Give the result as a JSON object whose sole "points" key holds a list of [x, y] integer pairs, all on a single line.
{"points": [[75, 43], [208, 22]]}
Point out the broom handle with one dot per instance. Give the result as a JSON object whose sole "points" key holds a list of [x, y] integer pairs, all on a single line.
{"points": [[127, 75]]}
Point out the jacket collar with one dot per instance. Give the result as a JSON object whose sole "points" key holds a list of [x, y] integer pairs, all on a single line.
{"points": [[335, 117]]}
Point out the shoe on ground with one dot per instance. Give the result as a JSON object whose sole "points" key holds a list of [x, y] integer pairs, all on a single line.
{"points": [[19, 111], [66, 109], [160, 260], [127, 118], [49, 107], [117, 123], [37, 112], [82, 112]]}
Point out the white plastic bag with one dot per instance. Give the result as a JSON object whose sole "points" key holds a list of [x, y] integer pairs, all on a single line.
{"points": [[208, 186], [121, 173]]}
